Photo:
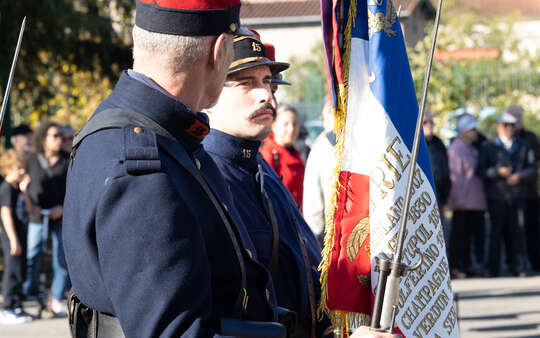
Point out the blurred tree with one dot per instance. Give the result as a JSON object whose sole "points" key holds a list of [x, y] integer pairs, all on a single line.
{"points": [[71, 53], [307, 76]]}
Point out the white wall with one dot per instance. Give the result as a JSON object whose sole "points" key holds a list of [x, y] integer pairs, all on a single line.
{"points": [[296, 41]]}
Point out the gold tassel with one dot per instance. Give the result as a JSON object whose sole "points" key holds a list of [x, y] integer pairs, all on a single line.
{"points": [[340, 115]]}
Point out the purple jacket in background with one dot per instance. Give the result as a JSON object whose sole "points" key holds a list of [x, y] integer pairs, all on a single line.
{"points": [[467, 189]]}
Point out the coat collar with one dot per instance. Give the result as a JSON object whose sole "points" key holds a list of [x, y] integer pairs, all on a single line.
{"points": [[137, 92], [241, 151]]}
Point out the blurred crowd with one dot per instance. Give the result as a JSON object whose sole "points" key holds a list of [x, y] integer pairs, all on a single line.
{"points": [[31, 198], [489, 191]]}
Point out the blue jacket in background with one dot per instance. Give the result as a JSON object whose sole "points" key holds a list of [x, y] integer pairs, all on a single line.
{"points": [[143, 241], [248, 175]]}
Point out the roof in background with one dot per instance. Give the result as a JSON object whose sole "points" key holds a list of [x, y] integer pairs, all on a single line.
{"points": [[311, 8], [279, 8]]}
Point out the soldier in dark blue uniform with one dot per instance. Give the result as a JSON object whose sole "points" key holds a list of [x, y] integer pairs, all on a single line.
{"points": [[284, 242], [241, 119], [153, 242]]}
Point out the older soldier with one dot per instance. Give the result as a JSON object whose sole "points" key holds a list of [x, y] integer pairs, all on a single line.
{"points": [[241, 119], [153, 242]]}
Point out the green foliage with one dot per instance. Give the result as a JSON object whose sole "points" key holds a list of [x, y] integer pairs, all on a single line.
{"points": [[71, 53], [308, 78]]}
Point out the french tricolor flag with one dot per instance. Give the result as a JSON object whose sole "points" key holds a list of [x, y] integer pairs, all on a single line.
{"points": [[376, 111]]}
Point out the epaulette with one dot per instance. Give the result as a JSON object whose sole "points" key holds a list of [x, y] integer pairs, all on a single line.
{"points": [[141, 150]]}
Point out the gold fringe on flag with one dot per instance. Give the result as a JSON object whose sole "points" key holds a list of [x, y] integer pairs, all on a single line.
{"points": [[340, 319]]}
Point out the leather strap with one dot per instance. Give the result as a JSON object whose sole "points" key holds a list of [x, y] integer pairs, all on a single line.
{"points": [[309, 278], [119, 118], [274, 258], [175, 150], [275, 255]]}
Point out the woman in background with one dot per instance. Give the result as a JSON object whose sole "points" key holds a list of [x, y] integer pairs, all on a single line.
{"points": [[278, 150], [47, 168]]}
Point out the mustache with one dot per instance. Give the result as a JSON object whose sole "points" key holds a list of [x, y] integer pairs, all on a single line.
{"points": [[261, 109]]}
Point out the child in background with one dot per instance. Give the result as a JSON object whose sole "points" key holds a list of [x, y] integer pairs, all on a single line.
{"points": [[13, 236]]}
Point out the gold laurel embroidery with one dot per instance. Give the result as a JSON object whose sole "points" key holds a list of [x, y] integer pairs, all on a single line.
{"points": [[364, 280], [380, 21], [357, 238]]}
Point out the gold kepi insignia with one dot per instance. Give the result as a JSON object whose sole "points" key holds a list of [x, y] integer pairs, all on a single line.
{"points": [[380, 21]]}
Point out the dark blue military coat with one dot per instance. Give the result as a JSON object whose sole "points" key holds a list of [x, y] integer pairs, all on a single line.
{"points": [[142, 240], [248, 175]]}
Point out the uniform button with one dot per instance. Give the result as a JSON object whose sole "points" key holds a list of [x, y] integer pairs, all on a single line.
{"points": [[137, 130], [225, 207], [267, 294], [232, 27], [198, 163], [249, 253]]}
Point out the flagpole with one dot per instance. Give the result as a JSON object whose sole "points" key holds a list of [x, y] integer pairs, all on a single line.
{"points": [[416, 144], [395, 270], [11, 73]]}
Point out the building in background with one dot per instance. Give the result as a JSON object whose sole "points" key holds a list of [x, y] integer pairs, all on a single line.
{"points": [[294, 26]]}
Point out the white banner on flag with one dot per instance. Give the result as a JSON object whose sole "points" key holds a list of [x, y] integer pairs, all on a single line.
{"points": [[373, 147]]}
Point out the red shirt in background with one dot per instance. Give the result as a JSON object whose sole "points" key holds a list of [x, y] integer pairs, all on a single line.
{"points": [[288, 165]]}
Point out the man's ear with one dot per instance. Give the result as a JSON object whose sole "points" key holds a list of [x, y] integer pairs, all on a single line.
{"points": [[220, 52]]}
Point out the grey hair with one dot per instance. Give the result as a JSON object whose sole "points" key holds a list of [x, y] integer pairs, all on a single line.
{"points": [[181, 50]]}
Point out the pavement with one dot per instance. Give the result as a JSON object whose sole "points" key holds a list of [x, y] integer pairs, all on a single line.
{"points": [[498, 307], [47, 327], [487, 307]]}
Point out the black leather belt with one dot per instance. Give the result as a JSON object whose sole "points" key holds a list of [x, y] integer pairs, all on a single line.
{"points": [[85, 322], [90, 323]]}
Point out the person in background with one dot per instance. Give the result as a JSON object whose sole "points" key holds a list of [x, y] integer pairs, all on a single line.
{"points": [[439, 160], [320, 166], [507, 165], [47, 168], [13, 238], [532, 200], [467, 199], [441, 172], [279, 152], [21, 140], [67, 137]]}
